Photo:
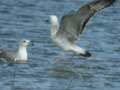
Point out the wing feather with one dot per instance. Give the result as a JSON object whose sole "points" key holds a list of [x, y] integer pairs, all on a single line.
{"points": [[73, 24]]}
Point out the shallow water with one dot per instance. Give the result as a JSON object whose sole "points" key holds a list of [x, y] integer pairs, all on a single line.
{"points": [[46, 68]]}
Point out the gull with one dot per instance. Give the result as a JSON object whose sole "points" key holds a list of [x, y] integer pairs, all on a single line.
{"points": [[19, 57], [72, 25]]}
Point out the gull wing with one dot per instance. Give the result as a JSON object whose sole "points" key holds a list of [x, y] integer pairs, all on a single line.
{"points": [[73, 24], [7, 55]]}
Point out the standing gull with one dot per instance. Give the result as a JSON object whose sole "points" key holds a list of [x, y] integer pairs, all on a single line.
{"points": [[20, 56], [72, 25]]}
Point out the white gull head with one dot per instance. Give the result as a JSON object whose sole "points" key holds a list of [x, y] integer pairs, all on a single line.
{"points": [[54, 25], [22, 50], [53, 19], [24, 43]]}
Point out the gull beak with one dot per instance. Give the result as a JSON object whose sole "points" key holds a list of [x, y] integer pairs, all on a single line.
{"points": [[47, 21], [28, 43], [31, 43]]}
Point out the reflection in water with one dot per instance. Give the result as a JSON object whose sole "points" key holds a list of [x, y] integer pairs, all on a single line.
{"points": [[62, 68], [67, 70]]}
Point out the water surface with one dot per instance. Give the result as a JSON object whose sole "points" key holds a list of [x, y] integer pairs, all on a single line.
{"points": [[46, 68]]}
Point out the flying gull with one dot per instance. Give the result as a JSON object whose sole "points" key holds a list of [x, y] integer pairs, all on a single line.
{"points": [[20, 56], [72, 25]]}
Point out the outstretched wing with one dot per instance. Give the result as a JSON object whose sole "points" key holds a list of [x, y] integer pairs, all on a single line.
{"points": [[73, 24]]}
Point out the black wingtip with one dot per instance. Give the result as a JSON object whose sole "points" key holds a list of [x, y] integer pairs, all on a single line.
{"points": [[87, 54], [100, 4]]}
